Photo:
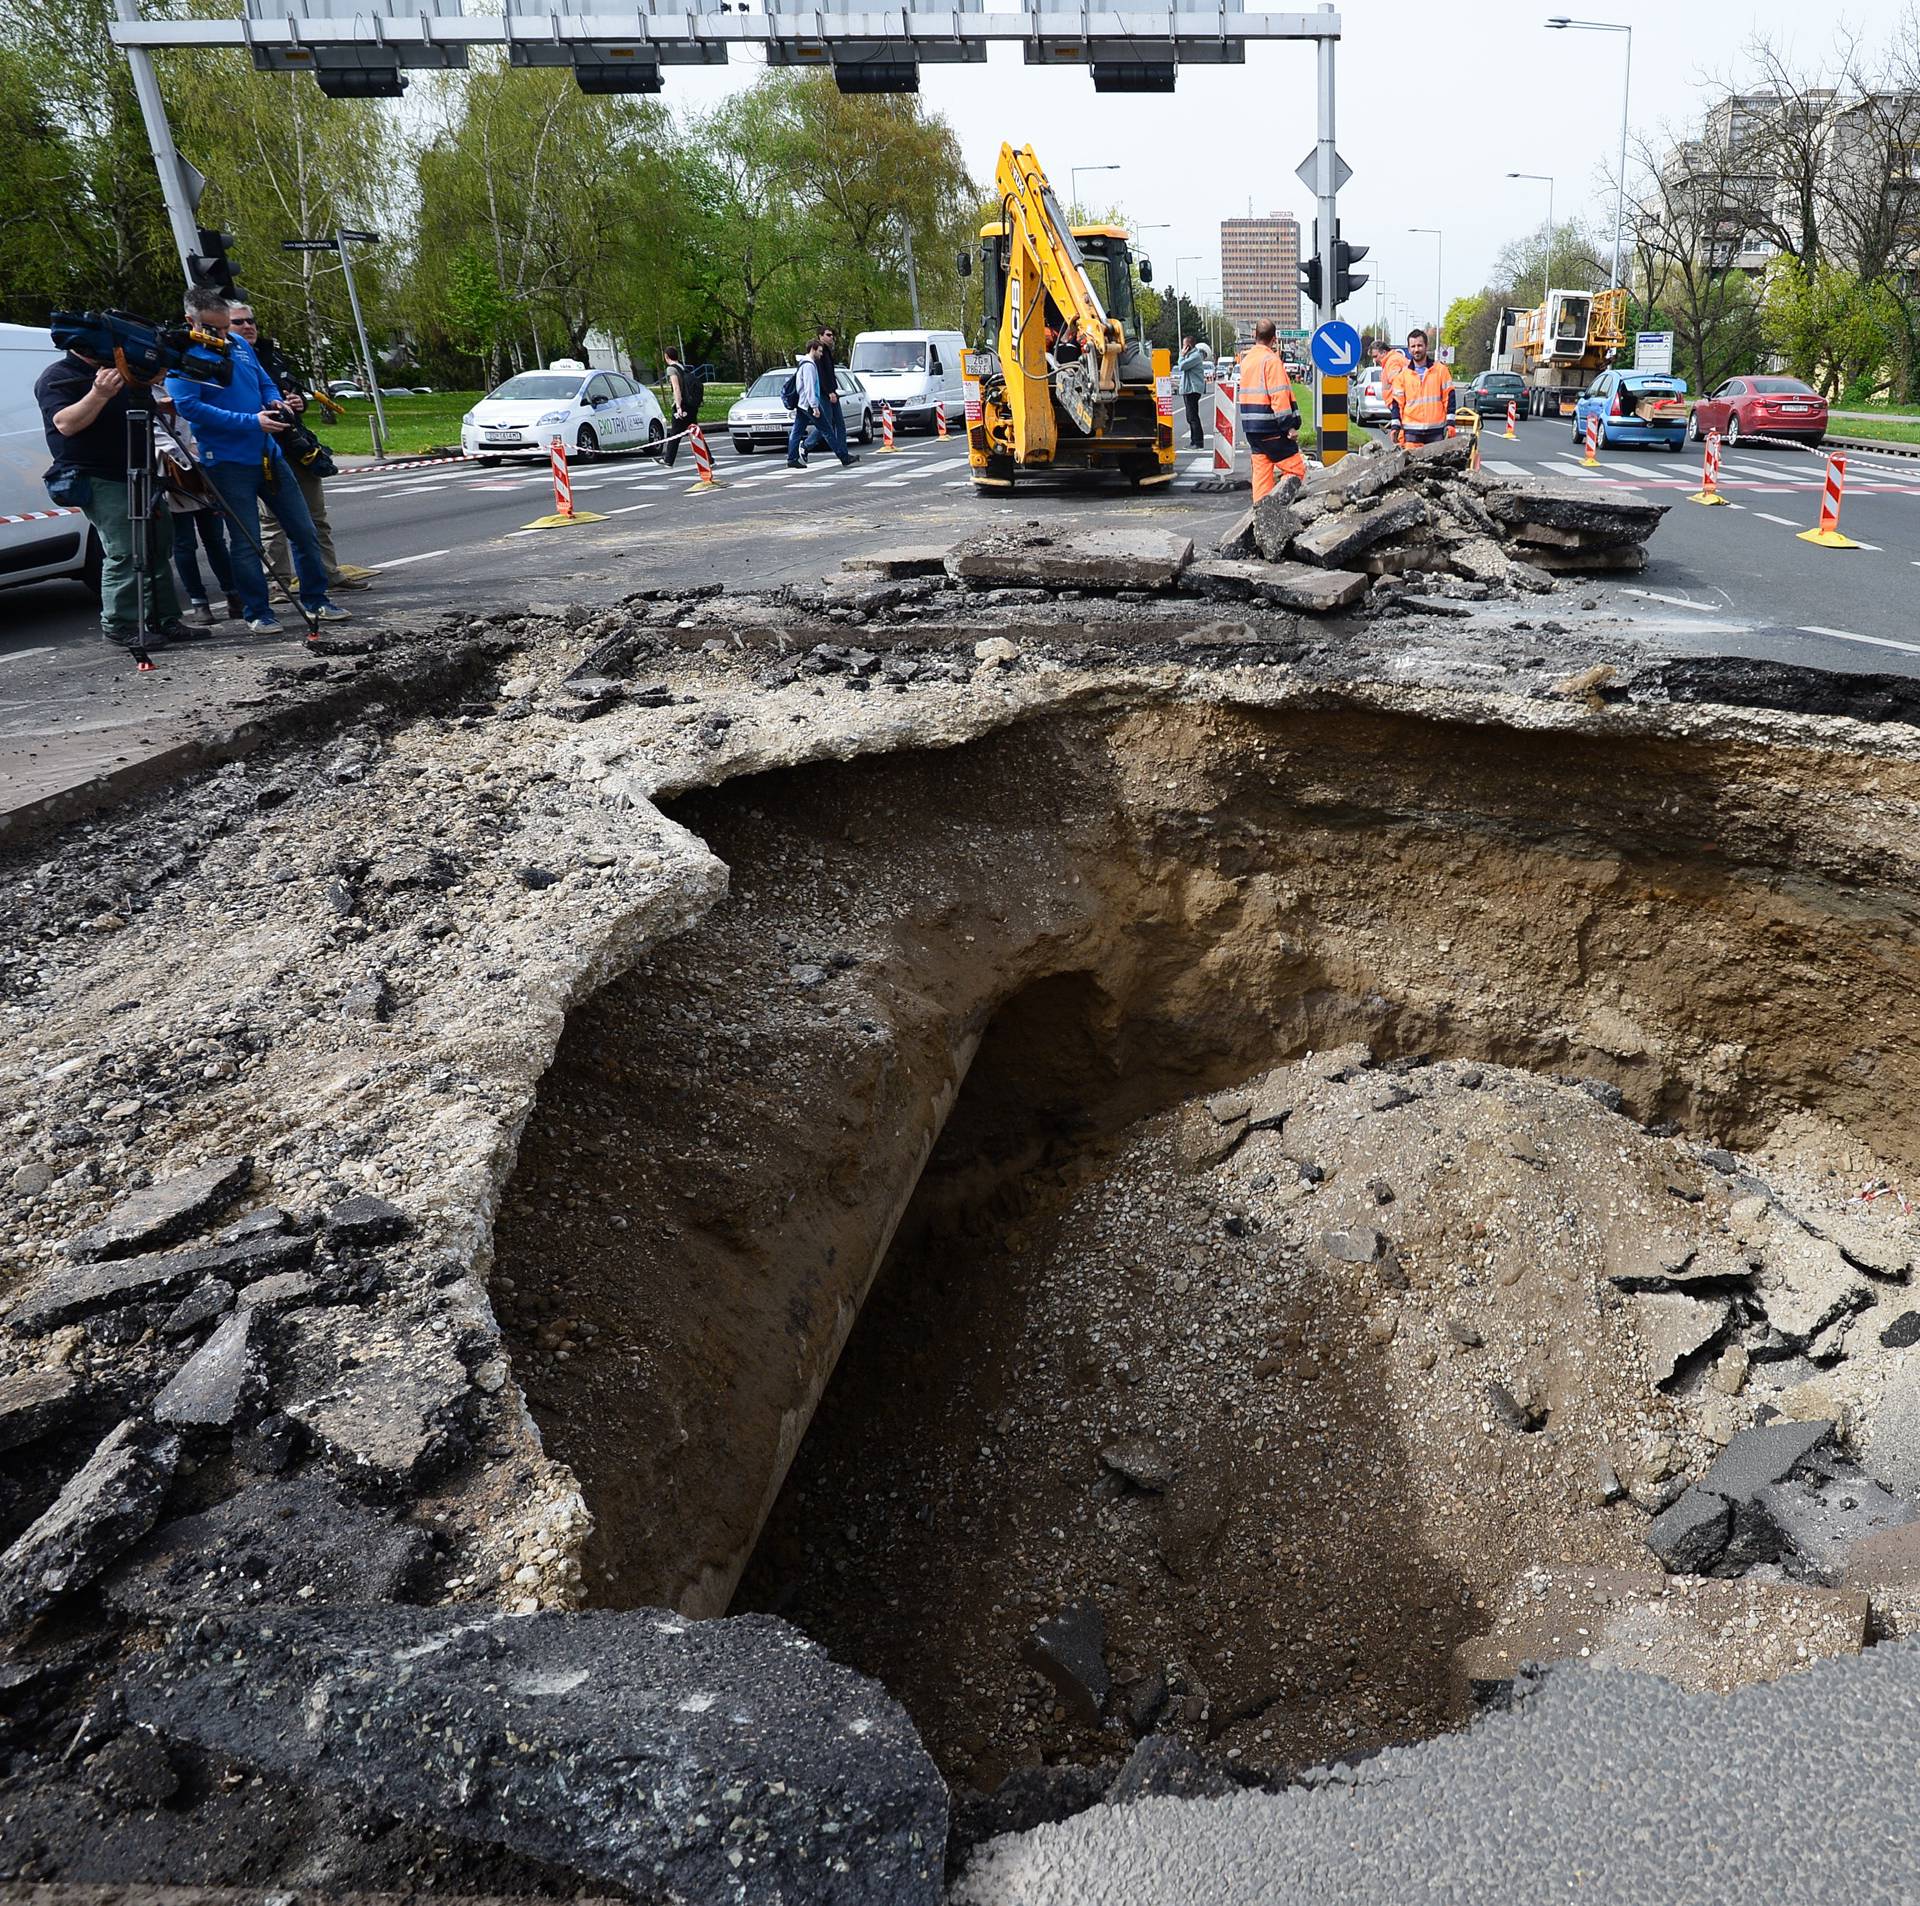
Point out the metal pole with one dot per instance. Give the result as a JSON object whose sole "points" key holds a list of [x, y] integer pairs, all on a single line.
{"points": [[1620, 198], [1546, 290], [1439, 309], [913, 283], [1326, 198], [181, 215], [366, 350]]}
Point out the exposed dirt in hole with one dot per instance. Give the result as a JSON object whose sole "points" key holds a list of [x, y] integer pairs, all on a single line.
{"points": [[1144, 905]]}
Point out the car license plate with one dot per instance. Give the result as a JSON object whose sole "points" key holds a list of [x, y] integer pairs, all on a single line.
{"points": [[498, 430], [1797, 410]]}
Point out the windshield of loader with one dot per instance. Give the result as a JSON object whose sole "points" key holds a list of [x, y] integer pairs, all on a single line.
{"points": [[1110, 267]]}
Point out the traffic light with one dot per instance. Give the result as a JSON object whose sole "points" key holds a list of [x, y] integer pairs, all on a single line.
{"points": [[212, 264], [1345, 256], [1310, 281]]}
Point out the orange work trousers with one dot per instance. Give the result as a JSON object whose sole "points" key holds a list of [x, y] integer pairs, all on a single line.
{"points": [[1267, 471]]}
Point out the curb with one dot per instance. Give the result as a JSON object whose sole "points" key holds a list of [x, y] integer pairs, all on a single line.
{"points": [[1876, 443]]}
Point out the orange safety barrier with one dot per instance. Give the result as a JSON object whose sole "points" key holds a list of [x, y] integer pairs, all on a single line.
{"points": [[1828, 536]]}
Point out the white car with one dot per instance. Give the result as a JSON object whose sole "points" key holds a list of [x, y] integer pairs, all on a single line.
{"points": [[590, 411], [43, 543], [758, 416], [1370, 404]]}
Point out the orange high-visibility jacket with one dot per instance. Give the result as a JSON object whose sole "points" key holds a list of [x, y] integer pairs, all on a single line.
{"points": [[1423, 398], [1391, 366], [1266, 395]]}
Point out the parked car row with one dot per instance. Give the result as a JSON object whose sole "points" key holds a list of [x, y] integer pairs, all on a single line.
{"points": [[589, 411]]}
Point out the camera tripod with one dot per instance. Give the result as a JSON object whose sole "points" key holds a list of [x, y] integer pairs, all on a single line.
{"points": [[146, 501]]}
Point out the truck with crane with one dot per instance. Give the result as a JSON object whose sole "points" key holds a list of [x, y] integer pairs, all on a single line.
{"points": [[1063, 381], [1561, 345]]}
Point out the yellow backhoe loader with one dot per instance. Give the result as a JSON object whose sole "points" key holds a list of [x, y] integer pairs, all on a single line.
{"points": [[1064, 381]]}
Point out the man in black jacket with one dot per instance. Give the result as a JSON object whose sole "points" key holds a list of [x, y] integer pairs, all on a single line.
{"points": [[83, 406], [836, 416]]}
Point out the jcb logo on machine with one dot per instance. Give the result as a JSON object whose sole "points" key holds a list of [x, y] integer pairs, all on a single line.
{"points": [[1163, 396], [1016, 305]]}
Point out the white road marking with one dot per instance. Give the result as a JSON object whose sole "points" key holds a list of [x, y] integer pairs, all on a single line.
{"points": [[1875, 547], [889, 483], [400, 562], [627, 509], [1847, 635], [961, 483], [1785, 522], [20, 655], [1654, 595], [1501, 466]]}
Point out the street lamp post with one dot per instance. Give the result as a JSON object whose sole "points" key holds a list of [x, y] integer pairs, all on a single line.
{"points": [[1073, 178], [1189, 258], [1439, 309], [1560, 22], [1546, 272]]}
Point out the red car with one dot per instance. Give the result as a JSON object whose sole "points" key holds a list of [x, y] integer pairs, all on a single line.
{"points": [[1761, 407]]}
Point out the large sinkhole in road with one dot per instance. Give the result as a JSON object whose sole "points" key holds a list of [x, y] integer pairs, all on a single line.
{"points": [[1140, 1163]]}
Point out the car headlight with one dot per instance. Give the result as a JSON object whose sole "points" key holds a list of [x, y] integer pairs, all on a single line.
{"points": [[554, 417]]}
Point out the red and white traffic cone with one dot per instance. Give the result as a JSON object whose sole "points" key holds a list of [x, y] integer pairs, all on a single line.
{"points": [[704, 478], [1709, 490], [1226, 424], [1513, 417], [1828, 534], [940, 421], [886, 427], [1591, 461], [564, 514]]}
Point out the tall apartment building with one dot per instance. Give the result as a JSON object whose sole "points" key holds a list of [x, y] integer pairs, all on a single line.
{"points": [[1260, 271]]}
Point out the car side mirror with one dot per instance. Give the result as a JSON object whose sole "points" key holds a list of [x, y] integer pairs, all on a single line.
{"points": [[963, 264]]}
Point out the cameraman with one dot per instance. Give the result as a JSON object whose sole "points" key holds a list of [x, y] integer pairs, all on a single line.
{"points": [[293, 393], [83, 406], [237, 424]]}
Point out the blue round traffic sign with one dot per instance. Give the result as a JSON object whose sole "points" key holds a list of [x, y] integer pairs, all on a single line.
{"points": [[1336, 348]]}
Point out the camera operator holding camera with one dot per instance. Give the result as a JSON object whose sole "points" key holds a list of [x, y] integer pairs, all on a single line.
{"points": [[83, 405], [309, 459], [238, 425]]}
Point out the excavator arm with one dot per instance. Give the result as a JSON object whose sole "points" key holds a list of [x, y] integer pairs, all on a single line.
{"points": [[1045, 263]]}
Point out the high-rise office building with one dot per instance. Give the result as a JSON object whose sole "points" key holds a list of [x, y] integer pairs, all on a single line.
{"points": [[1260, 271]]}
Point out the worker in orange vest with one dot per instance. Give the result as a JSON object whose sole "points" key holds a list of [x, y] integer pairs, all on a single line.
{"points": [[1268, 415], [1422, 396], [1392, 361]]}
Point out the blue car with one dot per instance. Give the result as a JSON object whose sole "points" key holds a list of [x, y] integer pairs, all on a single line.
{"points": [[1634, 407]]}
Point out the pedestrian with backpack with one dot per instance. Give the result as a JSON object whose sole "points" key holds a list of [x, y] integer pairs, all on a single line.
{"points": [[688, 389]]}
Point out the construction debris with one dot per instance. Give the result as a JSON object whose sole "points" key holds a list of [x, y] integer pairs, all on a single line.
{"points": [[1317, 547]]}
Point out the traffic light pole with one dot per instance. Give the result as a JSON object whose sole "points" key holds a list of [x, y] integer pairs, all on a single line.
{"points": [[1327, 198], [181, 210]]}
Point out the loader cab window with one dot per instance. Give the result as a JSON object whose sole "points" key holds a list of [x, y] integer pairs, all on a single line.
{"points": [[1109, 264], [993, 288]]}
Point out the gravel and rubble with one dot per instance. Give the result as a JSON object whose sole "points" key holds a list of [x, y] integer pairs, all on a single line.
{"points": [[274, 1042]]}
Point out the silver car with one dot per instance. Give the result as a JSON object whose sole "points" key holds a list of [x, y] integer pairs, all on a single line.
{"points": [[759, 417], [1370, 399]]}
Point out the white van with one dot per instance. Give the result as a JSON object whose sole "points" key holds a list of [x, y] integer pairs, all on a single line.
{"points": [[917, 372], [55, 546]]}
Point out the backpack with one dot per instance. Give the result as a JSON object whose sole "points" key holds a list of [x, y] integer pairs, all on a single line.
{"points": [[693, 391], [790, 391]]}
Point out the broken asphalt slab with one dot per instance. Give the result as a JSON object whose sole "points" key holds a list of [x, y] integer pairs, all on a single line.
{"points": [[719, 1761], [1118, 558]]}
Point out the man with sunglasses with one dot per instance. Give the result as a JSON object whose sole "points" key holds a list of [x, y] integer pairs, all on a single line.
{"points": [[293, 393]]}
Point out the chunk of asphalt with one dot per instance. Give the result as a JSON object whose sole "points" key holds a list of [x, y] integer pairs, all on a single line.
{"points": [[211, 1387], [365, 1220], [164, 1213], [276, 1544], [1069, 1651], [36, 1402], [1817, 1525], [1762, 1455], [67, 1296], [729, 1760], [1144, 1461], [1690, 1535], [105, 1507]]}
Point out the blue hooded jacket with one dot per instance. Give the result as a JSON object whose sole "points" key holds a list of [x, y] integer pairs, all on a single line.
{"points": [[226, 417]]}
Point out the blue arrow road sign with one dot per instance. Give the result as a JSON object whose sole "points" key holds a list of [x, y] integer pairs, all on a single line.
{"points": [[1336, 348]]}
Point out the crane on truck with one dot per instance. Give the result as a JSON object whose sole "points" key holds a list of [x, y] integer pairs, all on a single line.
{"points": [[1561, 345], [1063, 379]]}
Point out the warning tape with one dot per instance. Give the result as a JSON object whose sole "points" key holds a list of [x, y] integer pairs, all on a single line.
{"points": [[40, 516]]}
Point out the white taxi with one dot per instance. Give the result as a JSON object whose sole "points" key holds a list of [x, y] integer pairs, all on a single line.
{"points": [[590, 411]]}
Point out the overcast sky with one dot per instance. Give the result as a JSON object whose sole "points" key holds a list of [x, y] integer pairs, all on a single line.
{"points": [[1435, 107]]}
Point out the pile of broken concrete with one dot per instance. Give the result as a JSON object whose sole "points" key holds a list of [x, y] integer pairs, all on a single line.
{"points": [[1320, 546], [1386, 512]]}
